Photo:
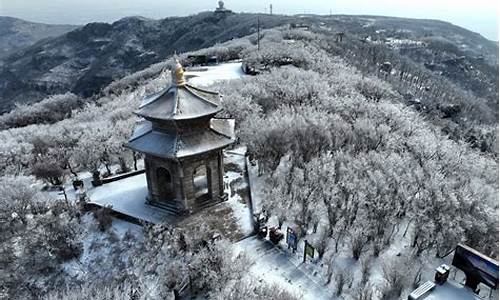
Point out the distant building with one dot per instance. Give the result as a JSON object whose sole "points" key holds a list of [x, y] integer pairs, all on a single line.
{"points": [[182, 143], [201, 60], [303, 26], [339, 36], [221, 9]]}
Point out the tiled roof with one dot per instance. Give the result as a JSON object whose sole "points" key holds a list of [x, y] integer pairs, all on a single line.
{"points": [[147, 140], [180, 102]]}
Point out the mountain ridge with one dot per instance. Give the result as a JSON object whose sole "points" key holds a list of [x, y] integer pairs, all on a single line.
{"points": [[16, 33], [87, 59]]}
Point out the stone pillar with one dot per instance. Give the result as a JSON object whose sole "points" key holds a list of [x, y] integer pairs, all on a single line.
{"points": [[220, 169], [149, 179], [179, 190], [214, 174], [188, 185]]}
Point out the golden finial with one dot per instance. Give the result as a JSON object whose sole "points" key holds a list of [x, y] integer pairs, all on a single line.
{"points": [[178, 73]]}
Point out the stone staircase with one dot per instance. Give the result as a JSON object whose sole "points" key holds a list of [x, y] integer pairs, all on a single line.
{"points": [[171, 207], [205, 201]]}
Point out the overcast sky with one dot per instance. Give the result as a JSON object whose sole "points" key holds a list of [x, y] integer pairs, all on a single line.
{"points": [[477, 15]]}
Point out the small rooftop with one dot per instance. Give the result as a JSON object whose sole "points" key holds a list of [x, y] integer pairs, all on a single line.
{"points": [[180, 101]]}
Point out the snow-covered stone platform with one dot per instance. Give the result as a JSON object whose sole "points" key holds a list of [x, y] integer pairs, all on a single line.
{"points": [[231, 218], [128, 196], [204, 76]]}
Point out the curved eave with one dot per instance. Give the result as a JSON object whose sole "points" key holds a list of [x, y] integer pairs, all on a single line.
{"points": [[170, 146], [184, 102], [179, 117]]}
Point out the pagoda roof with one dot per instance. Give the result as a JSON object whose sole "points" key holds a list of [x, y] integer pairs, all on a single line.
{"points": [[180, 102], [158, 143]]}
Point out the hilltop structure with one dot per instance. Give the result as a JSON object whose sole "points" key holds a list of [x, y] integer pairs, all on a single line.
{"points": [[221, 9], [182, 143]]}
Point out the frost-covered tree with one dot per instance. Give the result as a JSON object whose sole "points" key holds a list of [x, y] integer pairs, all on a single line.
{"points": [[18, 198], [44, 233], [249, 289], [49, 110]]}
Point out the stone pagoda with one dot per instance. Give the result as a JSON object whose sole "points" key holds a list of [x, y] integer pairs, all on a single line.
{"points": [[182, 143]]}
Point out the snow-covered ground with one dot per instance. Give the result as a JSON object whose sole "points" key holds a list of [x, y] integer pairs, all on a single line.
{"points": [[256, 184], [241, 207], [204, 76], [128, 196], [314, 269], [451, 290], [276, 267], [97, 246]]}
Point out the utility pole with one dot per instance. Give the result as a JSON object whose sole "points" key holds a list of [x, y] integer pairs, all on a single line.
{"points": [[258, 34], [271, 9]]}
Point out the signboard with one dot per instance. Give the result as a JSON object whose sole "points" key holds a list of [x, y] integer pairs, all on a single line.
{"points": [[291, 239], [308, 250], [477, 267]]}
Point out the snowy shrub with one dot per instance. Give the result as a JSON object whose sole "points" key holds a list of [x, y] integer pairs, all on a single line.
{"points": [[373, 89], [49, 110], [321, 243], [212, 267], [268, 91], [272, 35], [226, 51], [307, 88], [17, 196], [377, 246], [358, 242], [277, 54], [299, 34], [364, 292], [287, 132], [395, 273], [48, 172], [248, 289], [329, 268], [343, 280], [364, 268], [239, 108], [43, 241], [190, 257], [128, 289], [417, 275], [104, 218]]}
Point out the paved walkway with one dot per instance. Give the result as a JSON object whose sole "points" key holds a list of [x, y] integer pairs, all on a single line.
{"points": [[274, 265], [128, 196]]}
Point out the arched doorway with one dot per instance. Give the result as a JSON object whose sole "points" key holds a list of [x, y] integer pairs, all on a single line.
{"points": [[164, 182], [202, 182]]}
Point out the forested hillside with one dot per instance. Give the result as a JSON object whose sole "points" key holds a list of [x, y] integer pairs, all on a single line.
{"points": [[370, 179], [16, 34], [85, 60]]}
